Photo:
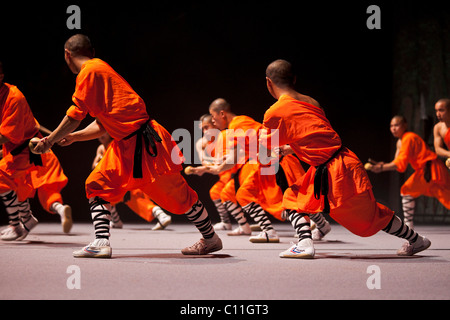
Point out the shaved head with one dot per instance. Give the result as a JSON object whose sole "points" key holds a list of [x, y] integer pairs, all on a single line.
{"points": [[80, 46], [220, 104], [281, 73], [445, 103]]}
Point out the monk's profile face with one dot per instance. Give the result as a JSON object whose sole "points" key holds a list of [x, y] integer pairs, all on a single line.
{"points": [[219, 119], [398, 127], [442, 112]]}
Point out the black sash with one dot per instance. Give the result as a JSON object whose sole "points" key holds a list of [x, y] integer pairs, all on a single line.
{"points": [[35, 159], [149, 135], [321, 181]]}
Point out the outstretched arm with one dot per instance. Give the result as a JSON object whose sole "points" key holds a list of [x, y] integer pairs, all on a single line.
{"points": [[91, 132], [66, 126]]}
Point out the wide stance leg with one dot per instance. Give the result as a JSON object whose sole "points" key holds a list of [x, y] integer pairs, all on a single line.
{"points": [[304, 249], [101, 217], [210, 241], [415, 242]]}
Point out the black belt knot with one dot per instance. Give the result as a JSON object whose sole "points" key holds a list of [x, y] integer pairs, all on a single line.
{"points": [[149, 135], [321, 181]]}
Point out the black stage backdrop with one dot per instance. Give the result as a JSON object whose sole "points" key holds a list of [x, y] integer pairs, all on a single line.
{"points": [[180, 56]]}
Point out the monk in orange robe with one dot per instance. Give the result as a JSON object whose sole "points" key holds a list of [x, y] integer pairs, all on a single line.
{"points": [[441, 130], [21, 172], [336, 182], [430, 178], [142, 155], [236, 153]]}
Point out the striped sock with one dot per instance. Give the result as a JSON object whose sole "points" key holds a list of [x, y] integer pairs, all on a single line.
{"points": [[257, 213], [101, 217], [115, 218], [398, 228], [408, 204], [318, 219], [301, 224], [222, 211], [13, 207], [199, 217], [236, 211]]}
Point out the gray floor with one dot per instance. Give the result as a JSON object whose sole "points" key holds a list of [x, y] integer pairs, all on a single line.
{"points": [[148, 265]]}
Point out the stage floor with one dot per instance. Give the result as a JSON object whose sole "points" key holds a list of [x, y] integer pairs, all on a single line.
{"points": [[148, 264]]}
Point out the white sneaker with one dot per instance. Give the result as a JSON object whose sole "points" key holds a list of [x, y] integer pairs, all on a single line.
{"points": [[408, 249], [12, 233], [265, 237], [163, 221], [100, 248], [302, 250], [222, 226], [318, 234], [243, 230]]}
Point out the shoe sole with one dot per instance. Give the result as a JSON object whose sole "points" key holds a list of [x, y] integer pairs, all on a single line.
{"points": [[231, 234], [261, 240], [298, 256], [67, 223], [83, 254]]}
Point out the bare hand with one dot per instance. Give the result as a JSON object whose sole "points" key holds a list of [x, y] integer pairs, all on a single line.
{"points": [[42, 146], [67, 140]]}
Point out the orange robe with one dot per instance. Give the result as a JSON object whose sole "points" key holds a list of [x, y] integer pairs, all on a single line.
{"points": [[242, 132], [309, 133], [49, 179], [415, 152], [105, 95], [141, 204], [447, 139], [18, 125]]}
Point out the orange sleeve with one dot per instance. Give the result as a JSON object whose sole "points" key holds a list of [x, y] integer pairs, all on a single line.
{"points": [[403, 158], [17, 120], [76, 113]]}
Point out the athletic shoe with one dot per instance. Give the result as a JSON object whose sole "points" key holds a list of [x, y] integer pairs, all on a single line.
{"points": [[318, 234], [243, 230], [66, 219], [163, 221], [100, 248], [304, 249], [222, 226], [12, 233], [265, 237], [409, 249], [204, 246]]}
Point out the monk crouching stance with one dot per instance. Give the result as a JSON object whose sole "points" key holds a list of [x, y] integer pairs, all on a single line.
{"points": [[336, 182], [138, 158]]}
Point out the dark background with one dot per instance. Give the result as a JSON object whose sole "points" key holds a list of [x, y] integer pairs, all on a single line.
{"points": [[179, 57]]}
